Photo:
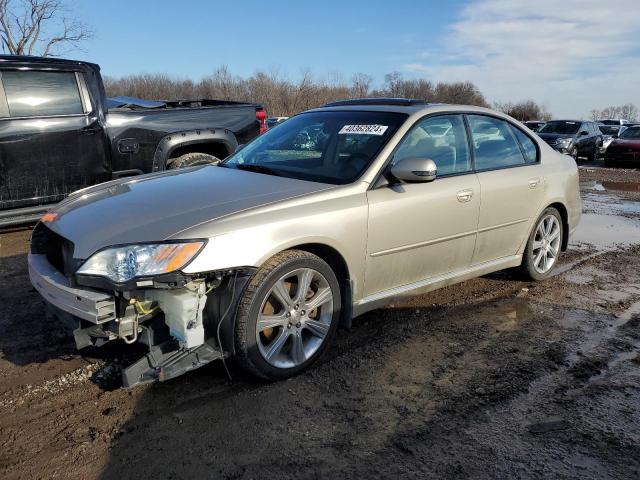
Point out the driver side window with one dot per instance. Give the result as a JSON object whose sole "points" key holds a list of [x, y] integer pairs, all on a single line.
{"points": [[441, 138]]}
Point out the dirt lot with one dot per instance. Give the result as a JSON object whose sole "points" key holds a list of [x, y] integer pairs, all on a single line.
{"points": [[493, 378]]}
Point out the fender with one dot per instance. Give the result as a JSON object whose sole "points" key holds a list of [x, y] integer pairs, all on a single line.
{"points": [[190, 137], [532, 224], [222, 306]]}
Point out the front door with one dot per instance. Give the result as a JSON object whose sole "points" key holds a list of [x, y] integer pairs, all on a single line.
{"points": [[422, 230]]}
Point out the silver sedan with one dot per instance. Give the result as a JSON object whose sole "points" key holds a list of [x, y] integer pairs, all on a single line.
{"points": [[337, 211]]}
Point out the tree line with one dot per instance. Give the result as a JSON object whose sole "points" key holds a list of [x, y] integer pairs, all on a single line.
{"points": [[628, 112], [283, 97]]}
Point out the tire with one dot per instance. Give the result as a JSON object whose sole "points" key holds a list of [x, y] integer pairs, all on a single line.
{"points": [[267, 348], [534, 267], [574, 153], [192, 160]]}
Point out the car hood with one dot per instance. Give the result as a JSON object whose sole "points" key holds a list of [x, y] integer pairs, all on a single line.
{"points": [[155, 207]]}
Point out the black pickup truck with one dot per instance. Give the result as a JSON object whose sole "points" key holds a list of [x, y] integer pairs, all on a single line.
{"points": [[59, 133]]}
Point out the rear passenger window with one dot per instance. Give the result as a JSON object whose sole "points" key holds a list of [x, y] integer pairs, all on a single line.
{"points": [[32, 93], [528, 146], [494, 144], [442, 139]]}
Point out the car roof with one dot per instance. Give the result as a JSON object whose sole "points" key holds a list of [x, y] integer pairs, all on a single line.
{"points": [[572, 121], [399, 105], [42, 61]]}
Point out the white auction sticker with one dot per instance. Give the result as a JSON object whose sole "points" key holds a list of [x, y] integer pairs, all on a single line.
{"points": [[363, 129]]}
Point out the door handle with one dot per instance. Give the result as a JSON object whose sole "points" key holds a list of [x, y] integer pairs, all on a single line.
{"points": [[464, 195], [534, 182]]}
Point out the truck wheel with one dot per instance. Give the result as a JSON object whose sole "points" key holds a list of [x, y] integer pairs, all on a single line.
{"points": [[287, 315], [192, 160], [544, 246]]}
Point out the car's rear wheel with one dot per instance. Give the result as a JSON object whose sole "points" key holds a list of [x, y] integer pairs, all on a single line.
{"points": [[287, 315], [544, 245]]}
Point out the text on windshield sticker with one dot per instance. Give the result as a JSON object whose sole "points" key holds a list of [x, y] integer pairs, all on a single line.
{"points": [[363, 129]]}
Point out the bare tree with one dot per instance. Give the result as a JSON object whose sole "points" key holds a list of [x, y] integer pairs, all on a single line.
{"points": [[393, 84], [524, 111], [360, 85], [38, 27], [628, 111]]}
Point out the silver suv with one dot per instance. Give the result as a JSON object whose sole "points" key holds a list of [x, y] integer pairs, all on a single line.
{"points": [[335, 212]]}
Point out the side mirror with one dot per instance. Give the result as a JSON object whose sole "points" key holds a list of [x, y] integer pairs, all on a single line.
{"points": [[583, 133], [415, 170], [240, 147]]}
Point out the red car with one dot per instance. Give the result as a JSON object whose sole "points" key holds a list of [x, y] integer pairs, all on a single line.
{"points": [[625, 149]]}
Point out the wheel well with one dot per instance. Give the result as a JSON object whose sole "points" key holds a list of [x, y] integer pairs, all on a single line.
{"points": [[218, 150], [565, 223], [337, 263]]}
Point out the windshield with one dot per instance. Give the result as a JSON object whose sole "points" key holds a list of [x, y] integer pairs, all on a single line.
{"points": [[633, 132], [609, 129], [561, 127], [610, 122], [328, 147]]}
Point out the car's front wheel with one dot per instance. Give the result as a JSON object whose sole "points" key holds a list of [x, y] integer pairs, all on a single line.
{"points": [[287, 315], [573, 152], [544, 245]]}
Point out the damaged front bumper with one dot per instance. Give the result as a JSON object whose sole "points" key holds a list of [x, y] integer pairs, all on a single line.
{"points": [[179, 323]]}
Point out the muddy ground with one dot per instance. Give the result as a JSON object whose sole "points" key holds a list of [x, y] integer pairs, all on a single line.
{"points": [[492, 378]]}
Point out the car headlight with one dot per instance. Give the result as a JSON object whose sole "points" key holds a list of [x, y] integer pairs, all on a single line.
{"points": [[564, 142], [124, 263]]}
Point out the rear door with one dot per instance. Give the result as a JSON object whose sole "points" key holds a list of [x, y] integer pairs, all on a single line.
{"points": [[51, 141], [511, 186]]}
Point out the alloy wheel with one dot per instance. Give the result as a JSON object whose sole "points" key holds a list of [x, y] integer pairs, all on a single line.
{"points": [[546, 243], [295, 318]]}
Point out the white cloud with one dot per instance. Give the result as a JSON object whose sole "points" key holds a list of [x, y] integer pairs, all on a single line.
{"points": [[571, 55]]}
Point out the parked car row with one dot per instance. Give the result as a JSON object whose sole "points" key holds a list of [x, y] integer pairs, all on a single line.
{"points": [[576, 138], [606, 139]]}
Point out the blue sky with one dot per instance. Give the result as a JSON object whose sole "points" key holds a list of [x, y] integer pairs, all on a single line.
{"points": [[197, 36], [571, 56]]}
